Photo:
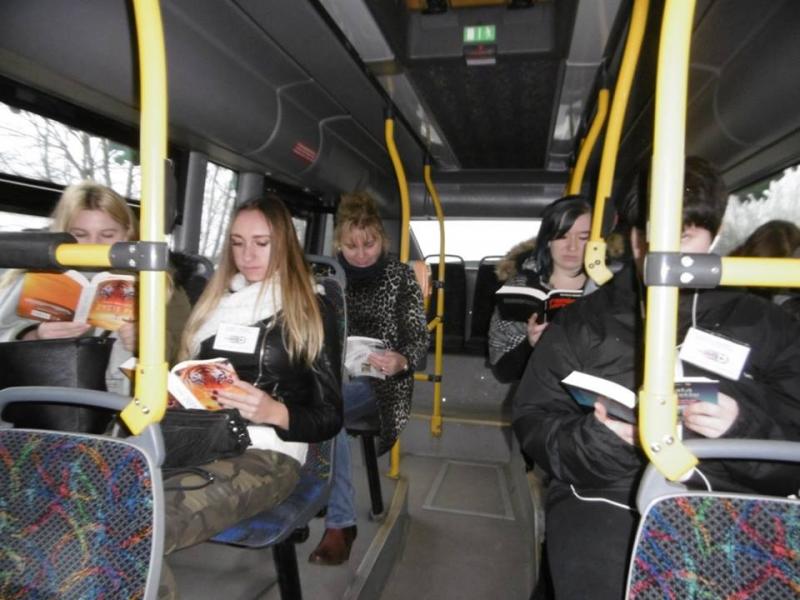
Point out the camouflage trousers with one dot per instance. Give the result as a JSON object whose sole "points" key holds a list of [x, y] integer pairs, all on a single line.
{"points": [[243, 486]]}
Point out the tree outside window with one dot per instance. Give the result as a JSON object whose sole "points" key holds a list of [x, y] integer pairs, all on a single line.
{"points": [[39, 148]]}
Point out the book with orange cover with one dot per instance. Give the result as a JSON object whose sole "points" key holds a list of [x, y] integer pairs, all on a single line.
{"points": [[107, 301], [192, 382]]}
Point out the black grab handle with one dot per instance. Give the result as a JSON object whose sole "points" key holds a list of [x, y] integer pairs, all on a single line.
{"points": [[32, 249]]}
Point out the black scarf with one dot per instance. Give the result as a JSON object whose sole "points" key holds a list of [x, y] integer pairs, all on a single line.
{"points": [[354, 273]]}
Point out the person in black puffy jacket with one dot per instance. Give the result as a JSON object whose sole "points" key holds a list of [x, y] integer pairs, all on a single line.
{"points": [[593, 460]]}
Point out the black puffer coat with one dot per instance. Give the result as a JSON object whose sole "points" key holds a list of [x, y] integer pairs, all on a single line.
{"points": [[601, 334], [312, 395]]}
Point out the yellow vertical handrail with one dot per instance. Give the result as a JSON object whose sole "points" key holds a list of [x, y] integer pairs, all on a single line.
{"points": [[405, 224], [595, 254], [587, 145], [658, 410], [151, 372], [436, 416]]}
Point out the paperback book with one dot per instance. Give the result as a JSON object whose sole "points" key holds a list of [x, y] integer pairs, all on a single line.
{"points": [[620, 402], [518, 303], [357, 353], [107, 300], [192, 383]]}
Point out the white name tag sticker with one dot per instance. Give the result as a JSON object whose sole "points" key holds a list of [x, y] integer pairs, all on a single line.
{"points": [[714, 353], [236, 338]]}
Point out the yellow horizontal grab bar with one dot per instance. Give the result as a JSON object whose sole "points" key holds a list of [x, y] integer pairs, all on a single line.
{"points": [[766, 272], [84, 255]]}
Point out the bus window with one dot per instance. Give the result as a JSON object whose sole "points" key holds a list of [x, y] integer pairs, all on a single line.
{"points": [[44, 149], [775, 197], [472, 239], [218, 200], [300, 226], [18, 222]]}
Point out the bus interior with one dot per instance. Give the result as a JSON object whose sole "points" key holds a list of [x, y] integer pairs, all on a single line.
{"points": [[497, 98]]}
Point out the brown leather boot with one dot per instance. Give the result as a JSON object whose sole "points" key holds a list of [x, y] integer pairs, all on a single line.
{"points": [[334, 547]]}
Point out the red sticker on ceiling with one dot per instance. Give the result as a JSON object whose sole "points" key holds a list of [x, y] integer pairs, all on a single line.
{"points": [[307, 154]]}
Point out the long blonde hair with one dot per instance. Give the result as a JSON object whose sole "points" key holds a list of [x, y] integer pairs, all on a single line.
{"points": [[86, 195], [300, 317]]}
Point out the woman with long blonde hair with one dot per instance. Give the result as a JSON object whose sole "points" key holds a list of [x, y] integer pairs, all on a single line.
{"points": [[93, 214], [261, 312]]}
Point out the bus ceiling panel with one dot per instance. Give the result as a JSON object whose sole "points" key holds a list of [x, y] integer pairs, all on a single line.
{"points": [[306, 33], [338, 167], [351, 134], [594, 22], [375, 32], [492, 116], [53, 46], [750, 99], [224, 74], [489, 194], [484, 202], [293, 145]]}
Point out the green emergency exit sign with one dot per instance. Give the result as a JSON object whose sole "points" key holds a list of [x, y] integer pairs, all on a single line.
{"points": [[480, 34]]}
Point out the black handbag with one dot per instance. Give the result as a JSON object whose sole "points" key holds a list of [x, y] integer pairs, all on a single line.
{"points": [[70, 362], [195, 437]]}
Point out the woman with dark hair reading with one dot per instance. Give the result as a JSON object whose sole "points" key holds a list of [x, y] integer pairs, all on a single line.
{"points": [[555, 262]]}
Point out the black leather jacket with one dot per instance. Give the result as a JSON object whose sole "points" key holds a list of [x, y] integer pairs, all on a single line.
{"points": [[311, 395]]}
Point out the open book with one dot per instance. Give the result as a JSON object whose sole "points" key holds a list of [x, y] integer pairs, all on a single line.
{"points": [[192, 382], [518, 303], [620, 402], [107, 301], [358, 350]]}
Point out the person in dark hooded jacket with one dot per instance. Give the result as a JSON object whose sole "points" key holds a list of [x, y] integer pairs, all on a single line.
{"points": [[593, 460]]}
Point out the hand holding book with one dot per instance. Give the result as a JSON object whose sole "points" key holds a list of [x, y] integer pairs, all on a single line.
{"points": [[107, 301], [518, 303], [624, 430], [613, 402], [254, 404], [711, 419]]}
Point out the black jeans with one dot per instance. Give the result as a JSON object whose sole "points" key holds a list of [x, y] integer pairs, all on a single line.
{"points": [[588, 547]]}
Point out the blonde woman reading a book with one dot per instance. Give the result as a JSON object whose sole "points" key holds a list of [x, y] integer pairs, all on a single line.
{"points": [[384, 309], [261, 312], [92, 214], [554, 262]]}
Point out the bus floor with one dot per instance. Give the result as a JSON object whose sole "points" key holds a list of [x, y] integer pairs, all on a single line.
{"points": [[460, 521]]}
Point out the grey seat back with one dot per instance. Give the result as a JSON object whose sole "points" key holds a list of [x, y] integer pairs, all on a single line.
{"points": [[82, 514], [705, 544]]}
